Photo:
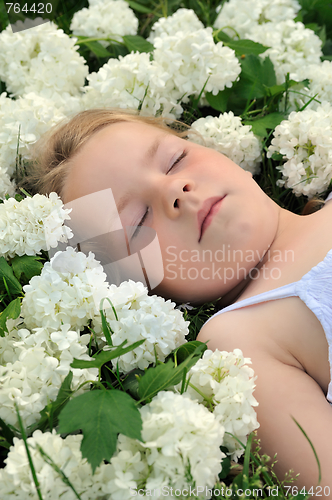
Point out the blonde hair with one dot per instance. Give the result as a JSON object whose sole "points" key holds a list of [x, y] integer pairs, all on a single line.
{"points": [[313, 205], [52, 154]]}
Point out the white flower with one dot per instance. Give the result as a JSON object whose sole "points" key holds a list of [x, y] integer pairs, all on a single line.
{"points": [[16, 479], [62, 102], [176, 451], [32, 225], [224, 378], [33, 367], [143, 317], [7, 187], [293, 47], [24, 120], [192, 60], [130, 82], [43, 56], [227, 135], [320, 87], [68, 291], [305, 141], [242, 15], [105, 18], [184, 20]]}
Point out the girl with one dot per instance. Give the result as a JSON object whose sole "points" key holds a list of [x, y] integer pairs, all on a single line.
{"points": [[220, 235]]}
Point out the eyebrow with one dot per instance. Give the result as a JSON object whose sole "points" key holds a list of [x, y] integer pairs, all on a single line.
{"points": [[150, 154]]}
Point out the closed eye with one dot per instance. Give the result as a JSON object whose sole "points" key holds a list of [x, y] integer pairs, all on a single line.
{"points": [[178, 159], [140, 224]]}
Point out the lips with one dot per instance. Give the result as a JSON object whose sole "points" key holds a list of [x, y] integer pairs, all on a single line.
{"points": [[204, 212]]}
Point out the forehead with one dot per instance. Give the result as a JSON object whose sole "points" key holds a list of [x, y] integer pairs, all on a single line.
{"points": [[115, 147]]}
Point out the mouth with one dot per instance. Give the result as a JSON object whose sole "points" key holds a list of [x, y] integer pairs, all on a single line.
{"points": [[205, 215]]}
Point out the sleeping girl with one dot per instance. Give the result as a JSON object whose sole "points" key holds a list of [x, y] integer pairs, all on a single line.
{"points": [[227, 240]]}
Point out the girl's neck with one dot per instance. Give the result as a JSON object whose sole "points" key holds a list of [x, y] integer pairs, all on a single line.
{"points": [[289, 227]]}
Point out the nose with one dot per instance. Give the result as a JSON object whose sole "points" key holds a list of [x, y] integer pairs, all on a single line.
{"points": [[177, 195]]}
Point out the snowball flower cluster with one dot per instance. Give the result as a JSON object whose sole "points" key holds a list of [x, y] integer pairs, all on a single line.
{"points": [[184, 20], [227, 135], [32, 225], [143, 317], [68, 292], [194, 62], [293, 47], [242, 15], [320, 87], [225, 380], [305, 141], [22, 122], [43, 56], [16, 480], [33, 367], [176, 451], [133, 82], [105, 18], [183, 64], [181, 448]]}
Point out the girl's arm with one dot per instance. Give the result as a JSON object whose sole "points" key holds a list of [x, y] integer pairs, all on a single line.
{"points": [[283, 390]]}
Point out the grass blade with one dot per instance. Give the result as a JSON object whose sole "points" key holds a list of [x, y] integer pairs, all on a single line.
{"points": [[32, 467]]}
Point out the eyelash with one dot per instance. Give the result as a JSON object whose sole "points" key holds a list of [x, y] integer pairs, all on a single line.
{"points": [[179, 158]]}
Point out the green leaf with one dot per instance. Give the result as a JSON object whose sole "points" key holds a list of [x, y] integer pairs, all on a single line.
{"points": [[138, 7], [105, 356], [280, 89], [225, 463], [101, 415], [26, 266], [221, 36], [130, 383], [7, 279], [166, 375], [277, 156], [251, 68], [158, 379], [6, 432], [116, 50], [137, 43], [251, 84], [268, 122], [12, 311], [246, 47], [97, 48], [187, 349], [246, 462], [247, 90], [260, 74], [107, 331], [268, 73], [219, 101], [50, 413]]}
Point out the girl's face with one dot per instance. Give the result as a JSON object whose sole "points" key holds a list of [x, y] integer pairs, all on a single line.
{"points": [[212, 220]]}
